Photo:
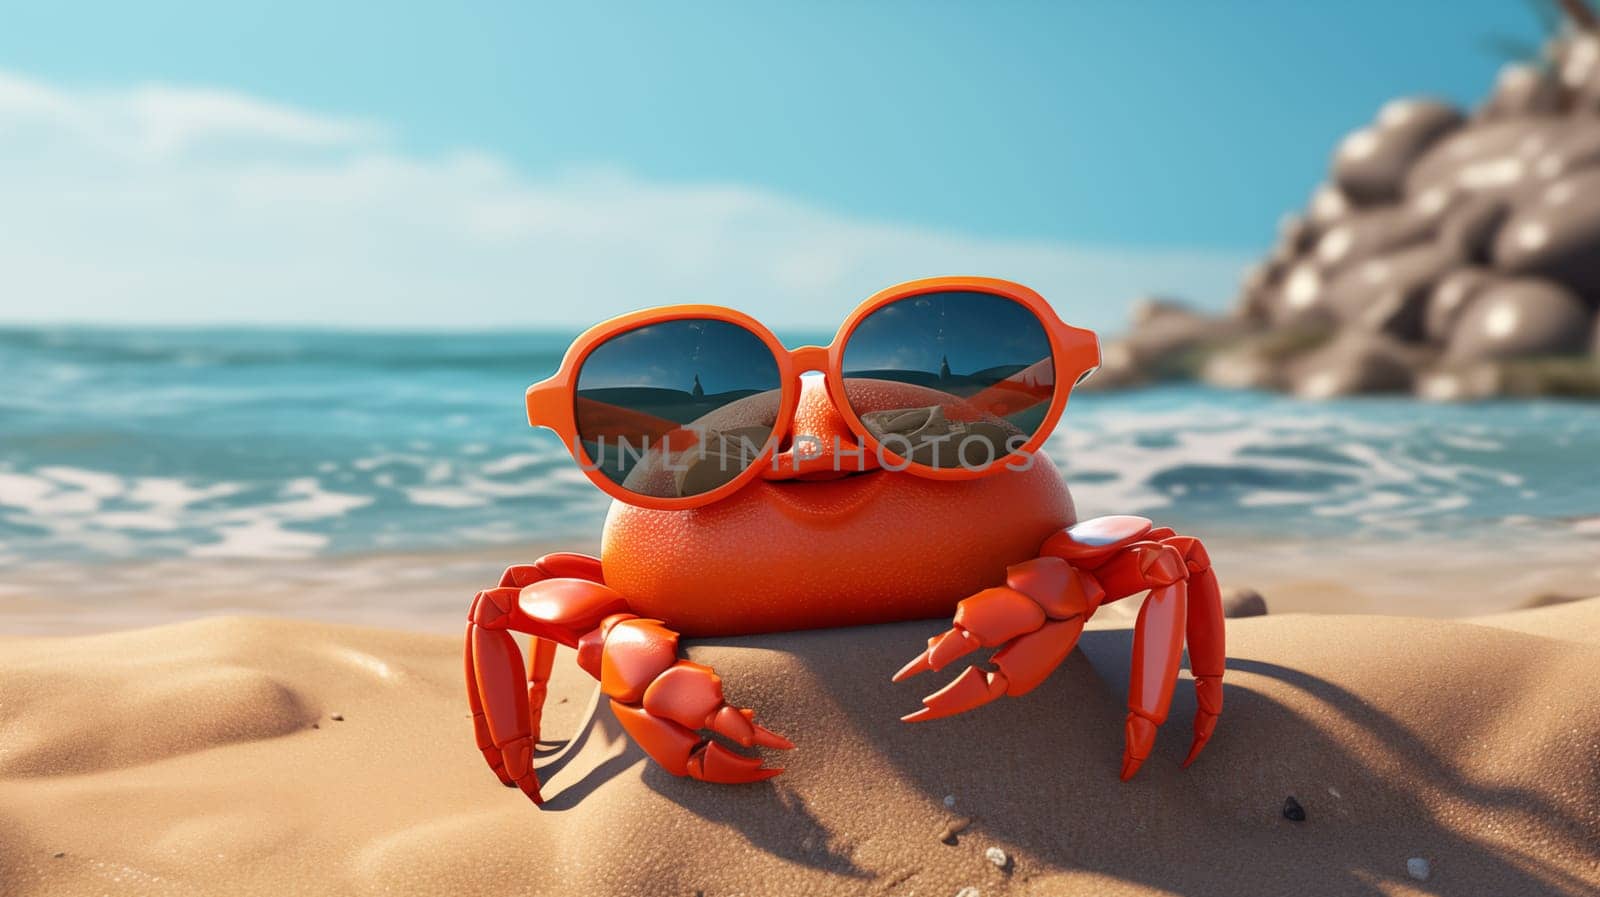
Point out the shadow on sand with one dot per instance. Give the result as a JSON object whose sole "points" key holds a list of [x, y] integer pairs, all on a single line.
{"points": [[1039, 774]]}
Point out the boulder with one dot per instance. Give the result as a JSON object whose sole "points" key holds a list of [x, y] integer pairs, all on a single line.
{"points": [[1258, 291], [1460, 383], [1449, 299], [1523, 90], [1520, 318], [1259, 360], [1399, 311], [1370, 165], [1555, 234], [1118, 369], [1242, 368], [1389, 293], [1572, 376], [1469, 229], [1353, 363], [1302, 297], [1329, 206], [1497, 158], [1149, 309], [1578, 65], [1369, 233], [1163, 343], [1238, 603], [1573, 147], [1296, 234], [1466, 249]]}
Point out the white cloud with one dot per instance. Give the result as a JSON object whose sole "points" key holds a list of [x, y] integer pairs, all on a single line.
{"points": [[163, 204]]}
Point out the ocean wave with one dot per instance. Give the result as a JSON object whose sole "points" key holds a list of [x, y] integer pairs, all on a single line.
{"points": [[1259, 463], [76, 352], [124, 453]]}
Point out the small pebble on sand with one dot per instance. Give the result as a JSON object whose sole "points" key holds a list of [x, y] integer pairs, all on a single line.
{"points": [[1418, 868], [60, 854], [950, 800], [952, 828], [997, 856], [1243, 603], [968, 891], [1292, 810], [336, 717]]}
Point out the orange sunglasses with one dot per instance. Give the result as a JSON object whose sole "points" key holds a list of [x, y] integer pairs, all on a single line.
{"points": [[639, 394]]}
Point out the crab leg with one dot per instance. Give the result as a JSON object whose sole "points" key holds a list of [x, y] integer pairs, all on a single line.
{"points": [[664, 703], [1204, 632], [660, 700], [1157, 652], [1184, 600], [542, 651], [541, 661], [551, 610], [1207, 643], [1037, 616], [494, 663], [480, 720]]}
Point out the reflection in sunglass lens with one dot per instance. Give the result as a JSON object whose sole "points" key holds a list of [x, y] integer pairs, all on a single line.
{"points": [[677, 408], [953, 379]]}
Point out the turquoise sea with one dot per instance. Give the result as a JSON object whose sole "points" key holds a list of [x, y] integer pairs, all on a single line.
{"points": [[119, 444], [131, 458]]}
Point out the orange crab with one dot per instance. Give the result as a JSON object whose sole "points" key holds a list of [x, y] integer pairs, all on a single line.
{"points": [[822, 524]]}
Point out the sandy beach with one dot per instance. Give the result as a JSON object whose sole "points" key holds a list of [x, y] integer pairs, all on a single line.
{"points": [[248, 755], [318, 324]]}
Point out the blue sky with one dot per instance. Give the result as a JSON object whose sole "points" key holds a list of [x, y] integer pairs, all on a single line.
{"points": [[486, 164]]}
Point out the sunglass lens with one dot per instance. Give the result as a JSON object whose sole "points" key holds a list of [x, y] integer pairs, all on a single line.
{"points": [[677, 408], [952, 379]]}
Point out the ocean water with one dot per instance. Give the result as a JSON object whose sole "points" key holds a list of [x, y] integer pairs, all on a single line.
{"points": [[125, 444]]}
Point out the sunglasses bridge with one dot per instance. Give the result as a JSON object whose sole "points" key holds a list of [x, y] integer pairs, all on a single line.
{"points": [[815, 456]]}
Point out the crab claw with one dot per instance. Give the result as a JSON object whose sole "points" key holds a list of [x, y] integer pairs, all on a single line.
{"points": [[973, 688], [667, 714], [684, 752], [942, 649], [1035, 618], [1020, 666], [991, 617], [715, 763]]}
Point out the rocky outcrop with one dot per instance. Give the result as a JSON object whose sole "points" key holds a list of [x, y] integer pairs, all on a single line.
{"points": [[1453, 254]]}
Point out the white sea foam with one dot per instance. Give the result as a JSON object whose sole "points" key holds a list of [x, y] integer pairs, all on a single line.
{"points": [[1381, 475], [89, 482], [445, 498], [260, 538], [106, 514], [513, 463], [1199, 460], [170, 493]]}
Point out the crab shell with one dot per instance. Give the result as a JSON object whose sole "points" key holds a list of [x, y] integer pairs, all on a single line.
{"points": [[805, 547]]}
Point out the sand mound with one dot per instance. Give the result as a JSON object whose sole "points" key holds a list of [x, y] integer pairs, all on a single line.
{"points": [[182, 760]]}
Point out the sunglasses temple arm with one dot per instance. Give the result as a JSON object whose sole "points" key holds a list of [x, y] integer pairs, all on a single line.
{"points": [[545, 400]]}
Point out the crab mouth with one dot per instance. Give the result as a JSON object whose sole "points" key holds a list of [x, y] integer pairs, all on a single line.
{"points": [[820, 499]]}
